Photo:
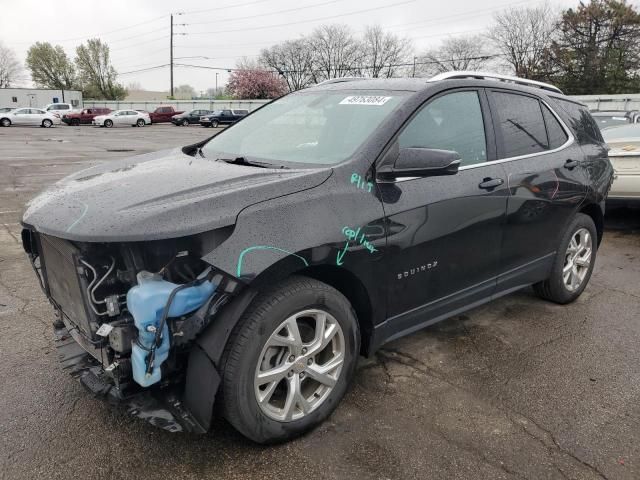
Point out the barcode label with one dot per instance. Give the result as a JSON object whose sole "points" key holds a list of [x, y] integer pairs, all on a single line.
{"points": [[365, 100]]}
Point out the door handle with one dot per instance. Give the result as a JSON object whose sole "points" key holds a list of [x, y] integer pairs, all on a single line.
{"points": [[570, 164], [489, 183]]}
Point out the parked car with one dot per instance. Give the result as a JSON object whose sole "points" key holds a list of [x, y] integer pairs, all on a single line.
{"points": [[254, 267], [187, 118], [122, 117], [84, 117], [608, 119], [59, 109], [624, 142], [222, 117], [164, 114], [28, 116]]}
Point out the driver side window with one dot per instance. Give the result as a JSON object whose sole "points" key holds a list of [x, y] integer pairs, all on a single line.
{"points": [[450, 122]]}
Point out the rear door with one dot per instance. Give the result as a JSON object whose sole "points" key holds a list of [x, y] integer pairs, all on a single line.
{"points": [[444, 232], [37, 116], [545, 179]]}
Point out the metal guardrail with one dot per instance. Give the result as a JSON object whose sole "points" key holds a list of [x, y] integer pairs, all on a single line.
{"points": [[177, 104], [621, 102]]}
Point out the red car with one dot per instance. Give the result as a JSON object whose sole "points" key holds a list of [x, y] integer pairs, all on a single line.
{"points": [[85, 117], [163, 114]]}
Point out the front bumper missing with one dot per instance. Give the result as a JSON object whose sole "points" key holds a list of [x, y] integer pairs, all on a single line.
{"points": [[161, 408]]}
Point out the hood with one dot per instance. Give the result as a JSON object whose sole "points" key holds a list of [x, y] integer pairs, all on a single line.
{"points": [[165, 194]]}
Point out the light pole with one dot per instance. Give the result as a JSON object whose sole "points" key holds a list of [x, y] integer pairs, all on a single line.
{"points": [[216, 84]]}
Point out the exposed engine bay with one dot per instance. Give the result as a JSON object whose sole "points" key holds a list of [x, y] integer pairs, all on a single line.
{"points": [[136, 308]]}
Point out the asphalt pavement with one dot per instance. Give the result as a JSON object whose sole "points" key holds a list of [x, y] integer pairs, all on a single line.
{"points": [[519, 388]]}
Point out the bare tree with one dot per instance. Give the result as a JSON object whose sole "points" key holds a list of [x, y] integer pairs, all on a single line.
{"points": [[293, 60], [458, 53], [384, 52], [10, 68], [523, 36], [337, 52]]}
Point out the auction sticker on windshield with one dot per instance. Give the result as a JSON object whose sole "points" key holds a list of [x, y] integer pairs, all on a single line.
{"points": [[365, 100]]}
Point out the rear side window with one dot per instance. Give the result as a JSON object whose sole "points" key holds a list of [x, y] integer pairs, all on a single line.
{"points": [[450, 122], [520, 125], [555, 133]]}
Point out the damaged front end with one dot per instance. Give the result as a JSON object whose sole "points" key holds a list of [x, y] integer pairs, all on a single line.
{"points": [[128, 315]]}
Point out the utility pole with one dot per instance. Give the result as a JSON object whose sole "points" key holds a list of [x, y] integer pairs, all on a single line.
{"points": [[171, 55], [414, 66]]}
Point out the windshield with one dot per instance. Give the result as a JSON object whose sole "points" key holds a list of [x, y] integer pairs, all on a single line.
{"points": [[627, 131], [311, 127], [605, 121]]}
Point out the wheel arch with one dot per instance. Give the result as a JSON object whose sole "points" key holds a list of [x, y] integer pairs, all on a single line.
{"points": [[349, 285], [594, 211]]}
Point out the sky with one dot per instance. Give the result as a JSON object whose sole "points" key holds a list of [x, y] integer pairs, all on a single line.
{"points": [[218, 34]]}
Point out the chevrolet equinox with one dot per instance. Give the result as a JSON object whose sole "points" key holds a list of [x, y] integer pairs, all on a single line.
{"points": [[245, 274]]}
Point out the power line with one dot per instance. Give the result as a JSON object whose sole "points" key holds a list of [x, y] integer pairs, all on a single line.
{"points": [[97, 35], [217, 9], [144, 69], [277, 12], [263, 27]]}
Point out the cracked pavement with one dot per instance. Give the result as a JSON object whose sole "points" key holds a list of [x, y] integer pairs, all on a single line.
{"points": [[518, 388]]}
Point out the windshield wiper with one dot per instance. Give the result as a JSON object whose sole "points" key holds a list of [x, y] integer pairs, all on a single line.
{"points": [[243, 161]]}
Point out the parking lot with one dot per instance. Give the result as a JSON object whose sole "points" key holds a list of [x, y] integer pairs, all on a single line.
{"points": [[518, 388]]}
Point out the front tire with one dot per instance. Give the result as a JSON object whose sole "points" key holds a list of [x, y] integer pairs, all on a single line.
{"points": [[5, 122], [214, 124], [289, 360], [108, 123], [185, 123], [573, 263]]}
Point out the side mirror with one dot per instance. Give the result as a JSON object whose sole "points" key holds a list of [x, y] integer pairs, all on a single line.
{"points": [[421, 162]]}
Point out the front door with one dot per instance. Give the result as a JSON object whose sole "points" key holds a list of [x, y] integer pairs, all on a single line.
{"points": [[546, 184], [444, 232]]}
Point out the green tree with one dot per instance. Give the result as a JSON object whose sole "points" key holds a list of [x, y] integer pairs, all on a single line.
{"points": [[50, 67], [97, 75], [598, 48]]}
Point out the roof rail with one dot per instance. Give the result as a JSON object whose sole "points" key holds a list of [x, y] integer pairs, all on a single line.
{"points": [[495, 76], [340, 80]]}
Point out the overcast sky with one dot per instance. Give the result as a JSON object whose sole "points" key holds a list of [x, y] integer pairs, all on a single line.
{"points": [[226, 30]]}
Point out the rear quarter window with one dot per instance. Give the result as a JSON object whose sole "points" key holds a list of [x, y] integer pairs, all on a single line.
{"points": [[581, 122]]}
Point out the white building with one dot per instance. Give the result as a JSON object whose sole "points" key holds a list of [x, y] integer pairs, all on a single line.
{"points": [[38, 97]]}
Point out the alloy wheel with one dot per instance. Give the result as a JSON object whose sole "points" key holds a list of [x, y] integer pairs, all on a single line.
{"points": [[299, 365], [577, 259]]}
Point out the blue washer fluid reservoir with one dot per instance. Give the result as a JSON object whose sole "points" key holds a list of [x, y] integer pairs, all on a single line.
{"points": [[146, 302]]}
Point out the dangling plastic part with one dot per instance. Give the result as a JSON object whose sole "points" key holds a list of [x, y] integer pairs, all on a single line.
{"points": [[146, 302]]}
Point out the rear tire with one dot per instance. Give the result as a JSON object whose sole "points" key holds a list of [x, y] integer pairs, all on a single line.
{"points": [[108, 123], [46, 123], [5, 122], [141, 122], [304, 374], [75, 122], [573, 263]]}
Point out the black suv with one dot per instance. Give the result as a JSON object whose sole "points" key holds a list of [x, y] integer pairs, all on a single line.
{"points": [[255, 267], [222, 117]]}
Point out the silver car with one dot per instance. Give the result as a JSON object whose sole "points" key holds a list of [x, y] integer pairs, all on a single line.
{"points": [[624, 142], [29, 116], [123, 117]]}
